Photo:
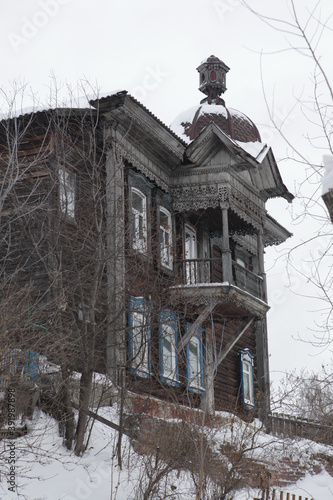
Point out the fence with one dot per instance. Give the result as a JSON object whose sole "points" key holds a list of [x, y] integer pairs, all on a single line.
{"points": [[280, 424], [282, 495], [13, 361]]}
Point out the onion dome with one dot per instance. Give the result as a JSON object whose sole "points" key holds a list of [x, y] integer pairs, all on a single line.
{"points": [[212, 80]]}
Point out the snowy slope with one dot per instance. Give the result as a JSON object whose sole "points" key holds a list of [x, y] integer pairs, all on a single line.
{"points": [[44, 469]]}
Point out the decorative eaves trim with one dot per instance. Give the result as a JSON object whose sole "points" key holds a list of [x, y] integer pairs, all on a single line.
{"points": [[125, 155], [210, 196]]}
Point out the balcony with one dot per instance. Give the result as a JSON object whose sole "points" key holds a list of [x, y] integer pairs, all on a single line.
{"points": [[205, 277]]}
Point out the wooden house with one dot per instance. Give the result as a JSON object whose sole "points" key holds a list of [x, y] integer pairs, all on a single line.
{"points": [[144, 244]]}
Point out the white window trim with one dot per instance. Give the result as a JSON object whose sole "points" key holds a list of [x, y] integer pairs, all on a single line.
{"points": [[139, 327], [139, 244], [67, 184], [166, 248]]}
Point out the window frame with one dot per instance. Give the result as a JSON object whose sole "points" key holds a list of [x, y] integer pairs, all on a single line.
{"points": [[170, 320], [142, 368], [247, 373], [163, 246], [197, 339], [139, 244], [67, 192]]}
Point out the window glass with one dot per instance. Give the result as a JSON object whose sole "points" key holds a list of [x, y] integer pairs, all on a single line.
{"points": [[139, 214], [67, 192], [168, 353], [165, 237], [247, 379], [194, 362], [191, 255], [139, 341]]}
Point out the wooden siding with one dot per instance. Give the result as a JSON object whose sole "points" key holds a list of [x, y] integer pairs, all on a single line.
{"points": [[227, 381]]}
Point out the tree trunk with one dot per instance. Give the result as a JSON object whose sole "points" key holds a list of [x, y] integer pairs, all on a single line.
{"points": [[85, 392]]}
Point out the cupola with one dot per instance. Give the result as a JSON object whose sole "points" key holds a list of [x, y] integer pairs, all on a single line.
{"points": [[212, 79], [212, 82]]}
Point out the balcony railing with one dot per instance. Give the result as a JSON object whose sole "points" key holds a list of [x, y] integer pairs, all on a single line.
{"points": [[196, 271]]}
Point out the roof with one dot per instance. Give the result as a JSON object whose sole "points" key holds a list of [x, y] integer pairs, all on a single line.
{"points": [[234, 123]]}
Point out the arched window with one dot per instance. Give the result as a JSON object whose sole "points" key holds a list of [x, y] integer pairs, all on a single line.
{"points": [[139, 214], [165, 235]]}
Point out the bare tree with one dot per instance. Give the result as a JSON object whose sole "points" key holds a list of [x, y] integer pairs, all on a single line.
{"points": [[306, 32]]}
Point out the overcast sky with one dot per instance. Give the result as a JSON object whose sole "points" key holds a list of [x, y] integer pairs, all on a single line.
{"points": [[152, 49]]}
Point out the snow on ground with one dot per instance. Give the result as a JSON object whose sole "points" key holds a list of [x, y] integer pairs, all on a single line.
{"points": [[45, 470]]}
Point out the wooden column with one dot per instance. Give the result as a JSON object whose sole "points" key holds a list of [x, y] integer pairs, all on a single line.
{"points": [[261, 265], [226, 252], [116, 325], [208, 399], [261, 338]]}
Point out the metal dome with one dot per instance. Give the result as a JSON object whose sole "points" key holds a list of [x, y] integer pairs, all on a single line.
{"points": [[189, 124]]}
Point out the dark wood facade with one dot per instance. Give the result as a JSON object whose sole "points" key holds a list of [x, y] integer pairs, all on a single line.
{"points": [[144, 255]]}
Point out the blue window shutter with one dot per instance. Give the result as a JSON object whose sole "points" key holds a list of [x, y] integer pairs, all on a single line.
{"points": [[31, 366], [247, 378], [170, 319], [139, 305]]}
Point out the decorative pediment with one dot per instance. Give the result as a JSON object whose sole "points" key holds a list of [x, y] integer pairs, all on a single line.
{"points": [[210, 141]]}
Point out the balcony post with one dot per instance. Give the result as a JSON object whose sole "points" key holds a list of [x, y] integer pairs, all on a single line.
{"points": [[226, 252], [261, 265]]}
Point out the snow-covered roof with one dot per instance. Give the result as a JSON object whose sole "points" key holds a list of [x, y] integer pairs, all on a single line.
{"points": [[236, 124], [74, 102]]}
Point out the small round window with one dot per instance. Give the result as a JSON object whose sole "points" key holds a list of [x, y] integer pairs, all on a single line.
{"points": [[213, 76]]}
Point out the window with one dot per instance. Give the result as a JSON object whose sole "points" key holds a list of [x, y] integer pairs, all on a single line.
{"points": [[194, 362], [191, 254], [168, 354], [241, 262], [139, 337], [67, 192], [165, 238], [247, 381], [139, 213]]}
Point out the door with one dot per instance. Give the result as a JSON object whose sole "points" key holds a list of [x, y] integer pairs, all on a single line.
{"points": [[191, 255]]}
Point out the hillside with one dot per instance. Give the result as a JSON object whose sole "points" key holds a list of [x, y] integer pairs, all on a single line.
{"points": [[163, 459]]}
